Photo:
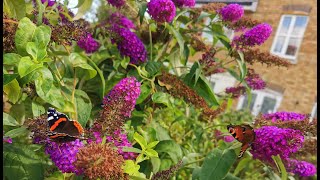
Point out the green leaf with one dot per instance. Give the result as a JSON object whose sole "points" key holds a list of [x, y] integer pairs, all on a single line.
{"points": [[145, 92], [11, 59], [13, 91], [140, 140], [242, 164], [217, 164], [84, 107], [230, 176], [17, 8], [131, 149], [203, 88], [37, 53], [234, 74], [125, 61], [161, 98], [156, 162], [83, 8], [20, 162], [24, 35], [37, 109], [26, 66], [131, 168], [151, 153], [170, 147], [152, 144], [153, 67], [9, 120], [7, 78], [80, 62], [181, 42], [281, 168], [45, 80], [21, 131], [42, 35], [142, 10], [196, 173]]}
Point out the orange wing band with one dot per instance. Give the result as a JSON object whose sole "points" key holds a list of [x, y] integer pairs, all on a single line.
{"points": [[55, 125]]}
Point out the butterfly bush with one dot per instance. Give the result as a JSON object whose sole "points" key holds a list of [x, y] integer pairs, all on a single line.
{"points": [[182, 3], [273, 141], [231, 12], [301, 168], [120, 140], [125, 92], [285, 116], [162, 10], [50, 2], [255, 36], [99, 161], [64, 155], [117, 3], [6, 139], [117, 19], [236, 92], [254, 80], [129, 44], [88, 44]]}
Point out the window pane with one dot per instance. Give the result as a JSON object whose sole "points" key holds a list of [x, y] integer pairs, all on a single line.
{"points": [[285, 25], [245, 102], [299, 26], [293, 46], [268, 105], [279, 45]]}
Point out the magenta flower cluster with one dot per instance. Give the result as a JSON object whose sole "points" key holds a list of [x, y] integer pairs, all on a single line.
{"points": [[64, 154], [184, 3], [255, 82], [301, 168], [127, 92], [273, 141], [117, 3], [121, 141], [6, 139], [89, 44], [255, 36], [231, 12], [117, 19], [162, 10], [285, 116], [129, 44], [236, 91], [50, 2]]}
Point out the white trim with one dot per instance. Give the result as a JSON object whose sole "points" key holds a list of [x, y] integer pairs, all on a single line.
{"points": [[287, 36], [314, 112], [257, 104], [222, 81]]}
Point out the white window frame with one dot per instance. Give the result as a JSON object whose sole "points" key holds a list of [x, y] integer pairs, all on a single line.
{"points": [[293, 59], [222, 81], [314, 112], [259, 100]]}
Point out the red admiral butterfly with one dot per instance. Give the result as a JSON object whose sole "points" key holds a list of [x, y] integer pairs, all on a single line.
{"points": [[244, 134], [62, 128]]}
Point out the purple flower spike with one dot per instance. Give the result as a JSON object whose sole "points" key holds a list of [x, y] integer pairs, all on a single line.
{"points": [[129, 44], [120, 140], [285, 116], [120, 20], [273, 141], [64, 155], [182, 3], [231, 12], [117, 3], [301, 168], [126, 92], [255, 36], [228, 138], [162, 10], [88, 44], [50, 2], [255, 82]]}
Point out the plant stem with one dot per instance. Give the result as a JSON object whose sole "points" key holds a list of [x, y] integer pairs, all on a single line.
{"points": [[150, 36], [100, 74], [73, 92]]}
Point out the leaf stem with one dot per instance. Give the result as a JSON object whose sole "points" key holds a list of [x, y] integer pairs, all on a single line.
{"points": [[100, 74], [73, 92]]}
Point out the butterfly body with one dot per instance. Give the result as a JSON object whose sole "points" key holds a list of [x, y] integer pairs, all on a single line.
{"points": [[62, 128], [244, 134]]}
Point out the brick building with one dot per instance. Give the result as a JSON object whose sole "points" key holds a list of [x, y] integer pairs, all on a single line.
{"points": [[294, 38]]}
